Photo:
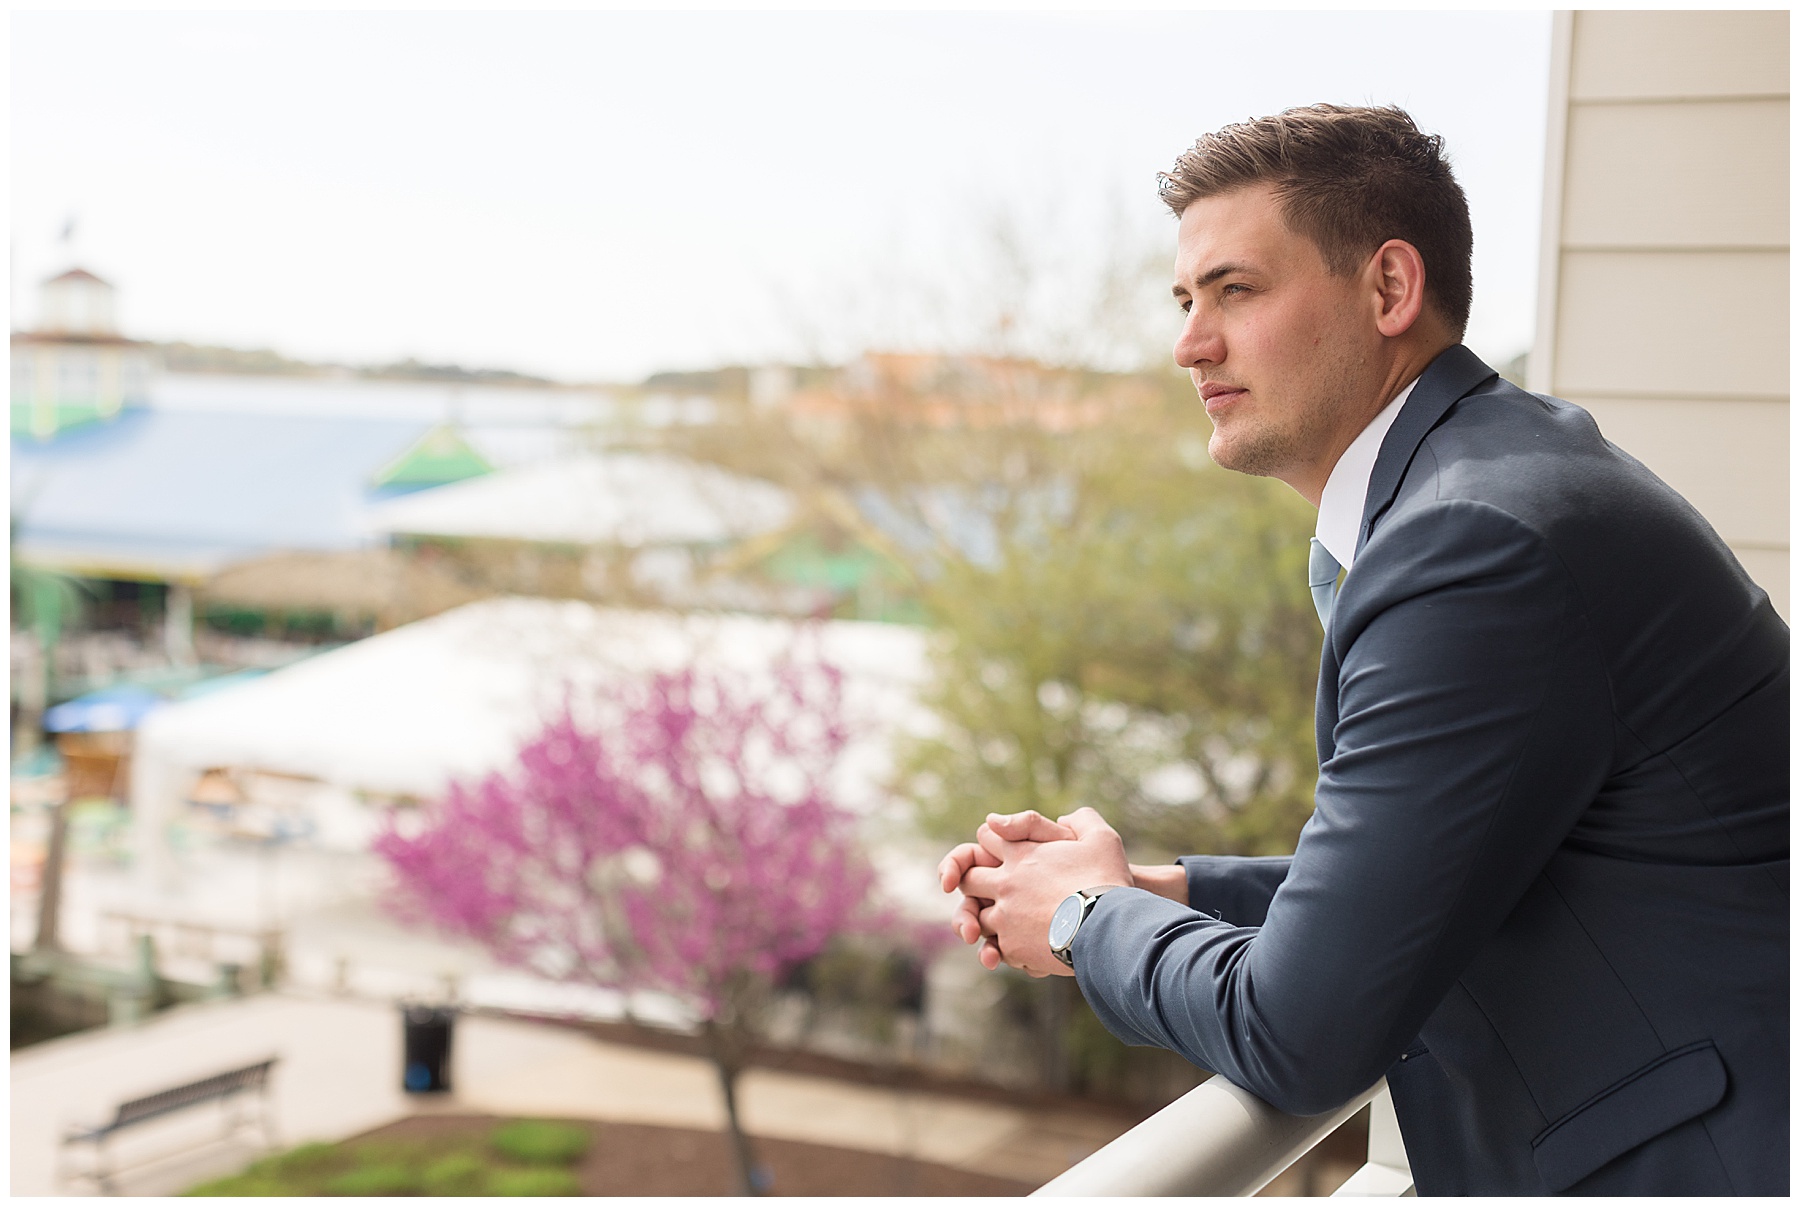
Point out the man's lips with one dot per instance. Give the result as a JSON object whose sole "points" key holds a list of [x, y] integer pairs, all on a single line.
{"points": [[1216, 395]]}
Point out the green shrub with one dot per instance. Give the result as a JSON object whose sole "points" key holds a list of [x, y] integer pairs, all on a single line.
{"points": [[296, 1171], [441, 1167], [459, 1174], [541, 1142], [242, 1185], [375, 1180], [298, 1162], [513, 1183], [388, 1151]]}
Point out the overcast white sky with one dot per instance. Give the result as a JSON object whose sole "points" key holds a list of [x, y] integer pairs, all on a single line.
{"points": [[601, 195]]}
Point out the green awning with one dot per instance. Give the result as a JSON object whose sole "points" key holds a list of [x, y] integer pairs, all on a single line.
{"points": [[438, 457]]}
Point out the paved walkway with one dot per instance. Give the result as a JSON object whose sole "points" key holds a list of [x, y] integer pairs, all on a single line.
{"points": [[340, 1063]]}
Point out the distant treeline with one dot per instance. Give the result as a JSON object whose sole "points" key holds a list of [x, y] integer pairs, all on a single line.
{"points": [[181, 357], [732, 381]]}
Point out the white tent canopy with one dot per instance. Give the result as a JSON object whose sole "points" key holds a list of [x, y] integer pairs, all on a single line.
{"points": [[616, 498], [406, 711]]}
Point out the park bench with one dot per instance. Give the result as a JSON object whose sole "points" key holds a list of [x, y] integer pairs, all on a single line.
{"points": [[227, 1088]]}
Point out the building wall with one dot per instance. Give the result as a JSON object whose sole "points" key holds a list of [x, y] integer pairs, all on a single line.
{"points": [[62, 384], [1663, 292]]}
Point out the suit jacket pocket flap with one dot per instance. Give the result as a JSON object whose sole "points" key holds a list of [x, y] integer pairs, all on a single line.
{"points": [[1668, 1091]]}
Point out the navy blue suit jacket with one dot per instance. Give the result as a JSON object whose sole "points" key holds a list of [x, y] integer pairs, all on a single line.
{"points": [[1544, 886]]}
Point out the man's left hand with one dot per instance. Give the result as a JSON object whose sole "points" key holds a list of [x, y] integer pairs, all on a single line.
{"points": [[1033, 878]]}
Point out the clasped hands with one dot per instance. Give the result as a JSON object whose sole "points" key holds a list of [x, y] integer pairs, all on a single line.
{"points": [[1015, 874]]}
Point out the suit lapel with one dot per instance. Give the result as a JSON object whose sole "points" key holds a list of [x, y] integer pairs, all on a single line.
{"points": [[1453, 374]]}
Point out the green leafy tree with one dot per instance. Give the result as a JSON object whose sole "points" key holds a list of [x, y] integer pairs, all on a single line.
{"points": [[1141, 641], [1118, 622]]}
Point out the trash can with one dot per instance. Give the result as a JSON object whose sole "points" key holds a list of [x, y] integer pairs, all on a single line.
{"points": [[425, 1067]]}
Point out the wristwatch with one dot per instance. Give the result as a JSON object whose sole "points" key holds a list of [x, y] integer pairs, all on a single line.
{"points": [[1066, 922]]}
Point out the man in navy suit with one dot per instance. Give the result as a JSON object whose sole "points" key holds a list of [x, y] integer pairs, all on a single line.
{"points": [[1544, 887]]}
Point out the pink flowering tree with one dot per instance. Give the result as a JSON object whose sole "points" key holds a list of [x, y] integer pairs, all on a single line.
{"points": [[684, 834]]}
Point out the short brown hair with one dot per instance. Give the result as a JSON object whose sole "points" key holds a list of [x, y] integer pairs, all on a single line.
{"points": [[1349, 179]]}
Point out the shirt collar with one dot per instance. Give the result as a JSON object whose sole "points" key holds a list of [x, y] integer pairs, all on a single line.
{"points": [[1347, 489]]}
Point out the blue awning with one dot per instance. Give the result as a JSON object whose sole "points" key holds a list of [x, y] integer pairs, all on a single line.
{"points": [[109, 710]]}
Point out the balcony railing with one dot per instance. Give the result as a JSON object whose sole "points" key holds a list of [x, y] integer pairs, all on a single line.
{"points": [[1220, 1140]]}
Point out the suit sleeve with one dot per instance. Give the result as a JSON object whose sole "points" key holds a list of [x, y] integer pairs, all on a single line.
{"points": [[1474, 726], [1237, 888]]}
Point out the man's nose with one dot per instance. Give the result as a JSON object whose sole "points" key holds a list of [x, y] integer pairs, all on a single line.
{"points": [[1199, 342]]}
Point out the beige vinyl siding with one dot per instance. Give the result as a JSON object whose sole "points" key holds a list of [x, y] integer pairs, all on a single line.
{"points": [[1682, 175], [1702, 324], [1658, 55], [1665, 293]]}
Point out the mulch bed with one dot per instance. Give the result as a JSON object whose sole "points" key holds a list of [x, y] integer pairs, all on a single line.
{"points": [[638, 1159]]}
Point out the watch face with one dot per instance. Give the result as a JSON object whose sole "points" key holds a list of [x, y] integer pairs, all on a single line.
{"points": [[1065, 921]]}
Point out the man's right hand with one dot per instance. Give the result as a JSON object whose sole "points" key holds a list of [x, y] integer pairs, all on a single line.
{"points": [[1165, 880], [1029, 826]]}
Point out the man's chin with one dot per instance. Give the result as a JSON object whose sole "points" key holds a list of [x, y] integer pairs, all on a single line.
{"points": [[1244, 456]]}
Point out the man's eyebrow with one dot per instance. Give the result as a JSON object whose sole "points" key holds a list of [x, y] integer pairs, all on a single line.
{"points": [[1223, 270], [1180, 289]]}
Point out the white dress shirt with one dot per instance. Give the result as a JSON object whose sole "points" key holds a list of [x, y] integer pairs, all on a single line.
{"points": [[1347, 489]]}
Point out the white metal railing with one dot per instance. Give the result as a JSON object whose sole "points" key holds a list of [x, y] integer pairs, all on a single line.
{"points": [[1388, 1173], [1218, 1139]]}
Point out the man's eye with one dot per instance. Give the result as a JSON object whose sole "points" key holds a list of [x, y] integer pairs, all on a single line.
{"points": [[1233, 289]]}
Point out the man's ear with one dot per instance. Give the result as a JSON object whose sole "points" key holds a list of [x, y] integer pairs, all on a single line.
{"points": [[1399, 280]]}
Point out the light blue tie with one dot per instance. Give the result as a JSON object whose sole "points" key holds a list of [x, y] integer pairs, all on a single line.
{"points": [[1322, 576]]}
